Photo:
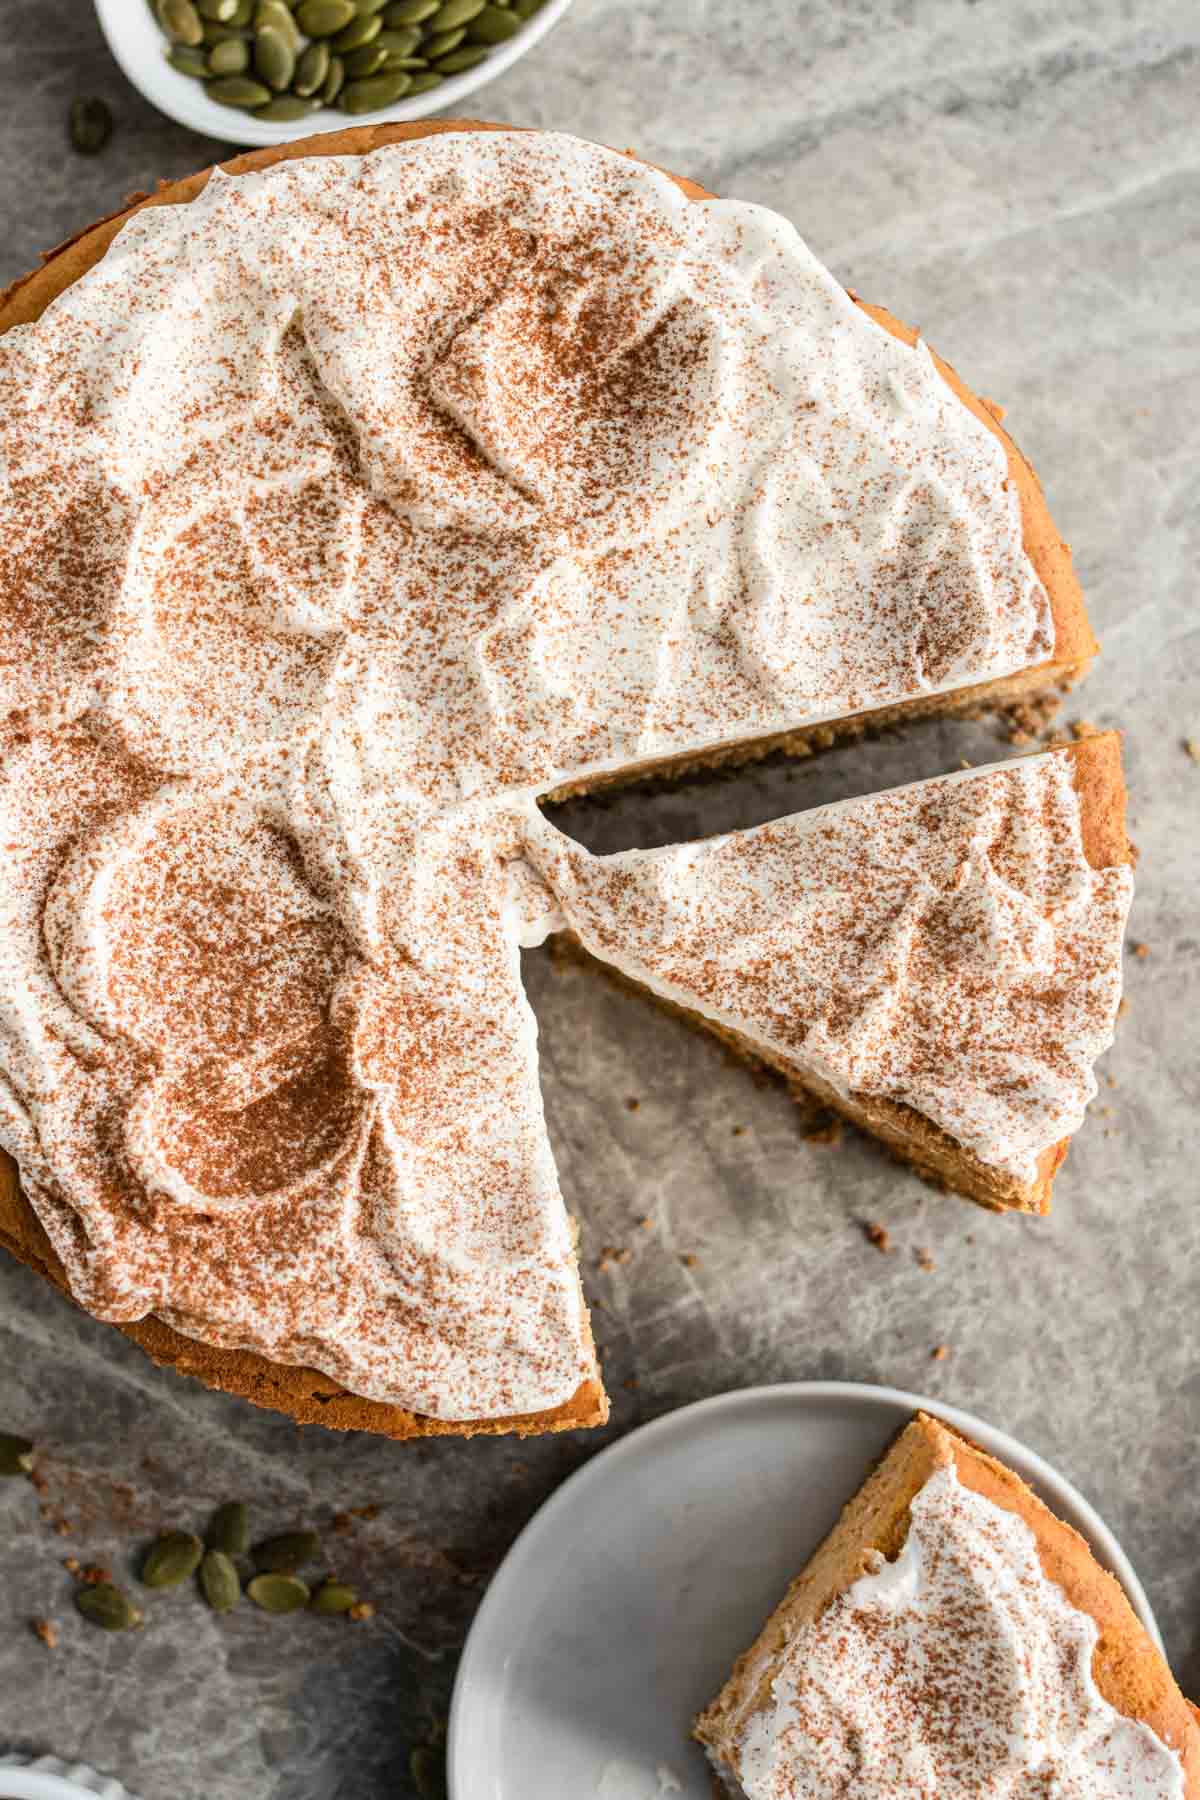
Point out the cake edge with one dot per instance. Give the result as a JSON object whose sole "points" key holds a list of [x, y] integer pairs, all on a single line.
{"points": [[1128, 1668]]}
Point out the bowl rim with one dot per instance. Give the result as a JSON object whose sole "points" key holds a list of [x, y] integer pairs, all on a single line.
{"points": [[130, 32]]}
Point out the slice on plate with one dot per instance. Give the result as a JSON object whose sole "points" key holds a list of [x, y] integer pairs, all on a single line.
{"points": [[952, 1638]]}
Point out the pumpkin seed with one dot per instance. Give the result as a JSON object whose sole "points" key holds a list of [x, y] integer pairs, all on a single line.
{"points": [[287, 1552], [452, 13], [90, 123], [276, 15], [367, 61], [222, 11], [364, 8], [171, 1559], [229, 58], [229, 1529], [222, 34], [287, 107], [423, 81], [357, 33], [278, 1593], [410, 12], [220, 1581], [311, 69], [108, 1606], [379, 91], [238, 90], [334, 81], [16, 1454], [493, 26], [400, 43], [274, 58], [180, 20], [525, 9], [443, 43], [333, 1597], [322, 18], [188, 60], [405, 62], [461, 60]]}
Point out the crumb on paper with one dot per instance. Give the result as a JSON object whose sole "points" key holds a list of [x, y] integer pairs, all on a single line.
{"points": [[95, 1574], [940, 1352], [632, 1103], [738, 1131], [362, 1609], [63, 1527], [690, 1260], [631, 1384], [645, 1223], [1084, 728], [72, 1565], [1192, 746], [1141, 951], [1110, 1081], [1123, 1008], [827, 1130], [877, 1234], [1027, 720], [47, 1630], [925, 1260]]}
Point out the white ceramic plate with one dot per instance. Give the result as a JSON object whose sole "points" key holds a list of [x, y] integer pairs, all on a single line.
{"points": [[140, 48], [620, 1609]]}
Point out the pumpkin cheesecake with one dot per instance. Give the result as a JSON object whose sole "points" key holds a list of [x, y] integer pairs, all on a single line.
{"points": [[952, 1638], [358, 496]]}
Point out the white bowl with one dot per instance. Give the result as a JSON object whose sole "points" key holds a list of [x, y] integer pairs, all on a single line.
{"points": [[619, 1610], [140, 47]]}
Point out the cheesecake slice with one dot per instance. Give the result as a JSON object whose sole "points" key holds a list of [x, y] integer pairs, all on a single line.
{"points": [[940, 964], [952, 1638]]}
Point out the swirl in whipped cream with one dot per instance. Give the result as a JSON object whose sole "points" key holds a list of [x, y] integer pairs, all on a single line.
{"points": [[345, 510], [958, 1670]]}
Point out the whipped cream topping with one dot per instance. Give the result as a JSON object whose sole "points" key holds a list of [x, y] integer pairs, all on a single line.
{"points": [[947, 945], [957, 1672], [345, 510]]}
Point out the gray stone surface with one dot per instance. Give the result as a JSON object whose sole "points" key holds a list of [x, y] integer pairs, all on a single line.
{"points": [[1021, 179]]}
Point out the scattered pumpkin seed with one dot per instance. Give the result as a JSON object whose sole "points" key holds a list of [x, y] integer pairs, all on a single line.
{"points": [[274, 58], [443, 43], [322, 18], [232, 57], [460, 60], [238, 90], [367, 61], [333, 1597], [494, 25], [181, 22], [357, 33], [171, 1559], [90, 123], [16, 1454], [410, 12], [400, 43], [311, 69], [287, 107], [278, 1593], [108, 1606], [423, 80], [334, 81], [287, 1552], [229, 1529], [220, 1581], [222, 11], [379, 91]]}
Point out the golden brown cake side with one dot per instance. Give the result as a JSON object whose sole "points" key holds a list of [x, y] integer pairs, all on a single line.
{"points": [[304, 1393], [1127, 1667]]}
